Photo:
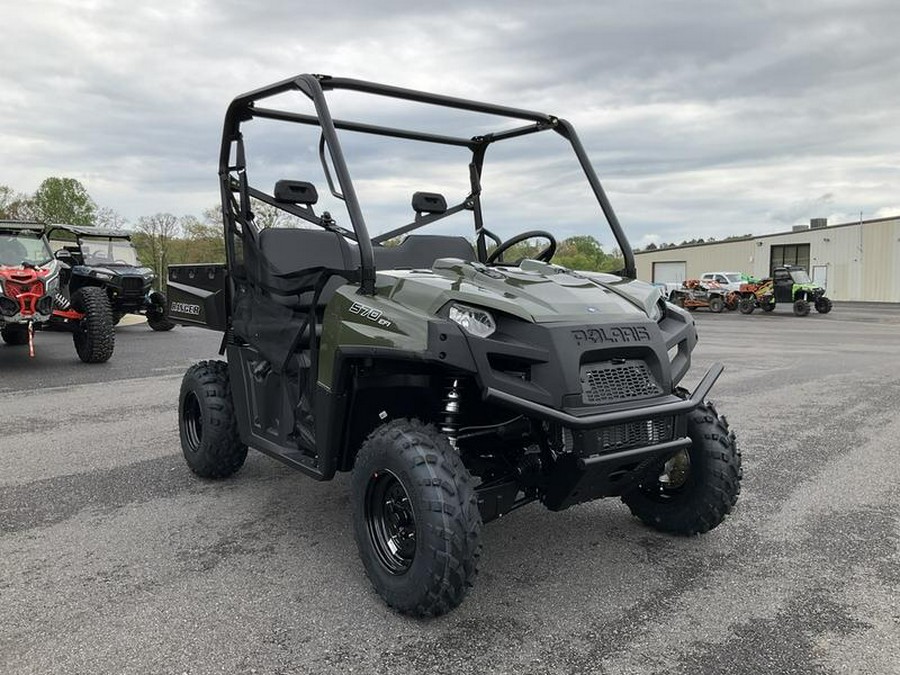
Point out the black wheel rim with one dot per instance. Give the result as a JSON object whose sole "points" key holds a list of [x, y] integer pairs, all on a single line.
{"points": [[391, 522], [193, 421]]}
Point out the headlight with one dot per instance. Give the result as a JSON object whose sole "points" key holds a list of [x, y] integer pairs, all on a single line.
{"points": [[102, 274], [146, 272], [51, 284], [475, 321], [658, 313]]}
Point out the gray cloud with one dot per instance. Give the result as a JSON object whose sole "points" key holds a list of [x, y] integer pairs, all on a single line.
{"points": [[705, 119]]}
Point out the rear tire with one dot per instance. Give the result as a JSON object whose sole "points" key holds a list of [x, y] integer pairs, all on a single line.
{"points": [[704, 480], [157, 317], [767, 306], [716, 304], [210, 440], [159, 322], [15, 334], [746, 306], [415, 518], [801, 308], [823, 305], [94, 335]]}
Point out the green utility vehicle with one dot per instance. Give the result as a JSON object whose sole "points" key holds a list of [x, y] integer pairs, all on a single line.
{"points": [[788, 284], [792, 284], [456, 386]]}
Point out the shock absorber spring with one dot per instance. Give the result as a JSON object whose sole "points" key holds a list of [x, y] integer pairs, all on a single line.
{"points": [[451, 410], [62, 302]]}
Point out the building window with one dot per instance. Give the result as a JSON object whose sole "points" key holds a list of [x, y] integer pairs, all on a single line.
{"points": [[789, 254]]}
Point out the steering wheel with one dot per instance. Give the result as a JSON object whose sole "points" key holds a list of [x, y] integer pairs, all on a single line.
{"points": [[544, 256]]}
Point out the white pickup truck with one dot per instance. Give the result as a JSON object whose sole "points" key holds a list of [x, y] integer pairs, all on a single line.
{"points": [[730, 280]]}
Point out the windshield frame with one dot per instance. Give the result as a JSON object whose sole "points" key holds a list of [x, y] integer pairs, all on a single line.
{"points": [[236, 191]]}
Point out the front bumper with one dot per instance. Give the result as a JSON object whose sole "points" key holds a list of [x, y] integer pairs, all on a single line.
{"points": [[26, 307], [578, 477]]}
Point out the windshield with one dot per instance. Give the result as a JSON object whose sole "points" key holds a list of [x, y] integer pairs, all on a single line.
{"points": [[23, 246], [733, 278], [800, 277], [108, 251]]}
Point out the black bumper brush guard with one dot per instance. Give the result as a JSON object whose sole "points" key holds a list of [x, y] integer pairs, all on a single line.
{"points": [[610, 450]]}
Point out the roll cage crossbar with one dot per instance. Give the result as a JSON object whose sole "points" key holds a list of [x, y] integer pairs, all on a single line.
{"points": [[237, 213]]}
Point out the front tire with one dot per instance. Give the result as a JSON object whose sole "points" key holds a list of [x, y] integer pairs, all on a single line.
{"points": [[716, 304], [15, 334], [94, 335], [415, 518], [801, 308], [823, 305], [746, 306], [207, 424], [698, 486]]}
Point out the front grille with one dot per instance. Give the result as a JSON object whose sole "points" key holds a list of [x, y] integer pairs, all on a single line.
{"points": [[635, 434], [621, 380], [626, 436], [31, 287], [132, 284]]}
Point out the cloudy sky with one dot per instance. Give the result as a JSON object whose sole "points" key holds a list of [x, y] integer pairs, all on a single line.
{"points": [[701, 118]]}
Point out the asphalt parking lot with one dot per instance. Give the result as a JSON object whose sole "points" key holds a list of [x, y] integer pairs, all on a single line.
{"points": [[115, 559]]}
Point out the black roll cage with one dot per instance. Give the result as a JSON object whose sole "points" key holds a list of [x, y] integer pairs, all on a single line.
{"points": [[233, 177]]}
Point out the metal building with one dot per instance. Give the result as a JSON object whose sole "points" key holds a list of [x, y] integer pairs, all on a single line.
{"points": [[857, 261]]}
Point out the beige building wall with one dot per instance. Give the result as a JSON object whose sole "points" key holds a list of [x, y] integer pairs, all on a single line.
{"points": [[862, 259]]}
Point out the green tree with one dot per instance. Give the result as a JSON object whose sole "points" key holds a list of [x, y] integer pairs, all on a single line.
{"points": [[15, 205], [64, 200], [204, 241], [583, 252], [154, 241]]}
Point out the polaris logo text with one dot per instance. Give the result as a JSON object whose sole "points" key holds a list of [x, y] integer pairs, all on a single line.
{"points": [[614, 335], [184, 308]]}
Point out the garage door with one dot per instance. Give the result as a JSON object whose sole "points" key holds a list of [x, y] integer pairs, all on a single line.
{"points": [[669, 272]]}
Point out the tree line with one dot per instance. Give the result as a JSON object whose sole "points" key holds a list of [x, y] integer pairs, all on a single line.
{"points": [[163, 238], [689, 242]]}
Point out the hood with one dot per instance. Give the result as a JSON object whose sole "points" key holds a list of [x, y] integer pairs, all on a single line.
{"points": [[534, 291]]}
